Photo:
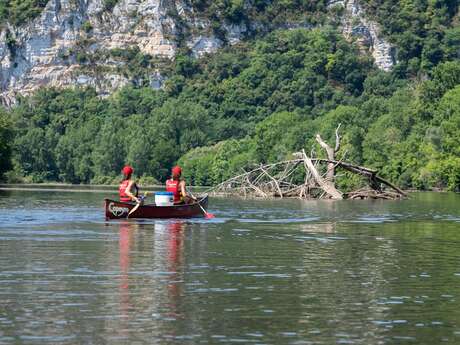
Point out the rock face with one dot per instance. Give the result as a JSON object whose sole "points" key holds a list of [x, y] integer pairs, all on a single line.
{"points": [[355, 26], [42, 52], [45, 51]]}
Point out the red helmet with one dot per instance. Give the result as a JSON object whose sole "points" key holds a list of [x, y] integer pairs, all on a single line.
{"points": [[176, 171], [127, 170]]}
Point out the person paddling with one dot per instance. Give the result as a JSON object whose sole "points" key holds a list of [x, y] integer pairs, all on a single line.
{"points": [[176, 185], [128, 189]]}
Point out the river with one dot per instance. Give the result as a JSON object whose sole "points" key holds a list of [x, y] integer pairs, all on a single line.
{"points": [[261, 272]]}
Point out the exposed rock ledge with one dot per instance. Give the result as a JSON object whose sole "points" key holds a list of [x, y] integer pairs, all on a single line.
{"points": [[34, 54], [356, 26]]}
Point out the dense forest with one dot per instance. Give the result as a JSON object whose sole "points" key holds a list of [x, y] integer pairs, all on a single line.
{"points": [[258, 101]]}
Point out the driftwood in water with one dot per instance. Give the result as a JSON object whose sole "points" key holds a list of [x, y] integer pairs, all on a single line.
{"points": [[327, 184], [306, 177], [369, 193], [276, 180]]}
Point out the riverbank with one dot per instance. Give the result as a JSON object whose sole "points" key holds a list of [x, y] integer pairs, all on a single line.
{"points": [[57, 186]]}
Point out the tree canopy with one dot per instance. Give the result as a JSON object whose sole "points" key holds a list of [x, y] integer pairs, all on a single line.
{"points": [[257, 101]]}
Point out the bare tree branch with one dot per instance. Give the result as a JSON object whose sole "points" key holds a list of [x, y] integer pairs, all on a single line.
{"points": [[337, 139]]}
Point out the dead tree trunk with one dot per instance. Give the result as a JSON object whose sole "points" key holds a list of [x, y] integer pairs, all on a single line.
{"points": [[325, 185], [331, 152]]}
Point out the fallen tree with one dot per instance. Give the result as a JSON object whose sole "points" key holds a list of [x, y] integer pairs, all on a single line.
{"points": [[307, 177]]}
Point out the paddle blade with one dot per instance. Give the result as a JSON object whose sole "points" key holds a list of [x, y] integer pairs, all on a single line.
{"points": [[208, 215], [133, 209]]}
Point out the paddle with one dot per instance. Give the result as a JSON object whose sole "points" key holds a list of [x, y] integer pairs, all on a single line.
{"points": [[207, 215], [133, 209], [141, 200]]}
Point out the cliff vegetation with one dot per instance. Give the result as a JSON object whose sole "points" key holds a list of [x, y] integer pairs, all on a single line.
{"points": [[17, 12]]}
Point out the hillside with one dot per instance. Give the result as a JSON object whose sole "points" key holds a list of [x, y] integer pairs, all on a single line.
{"points": [[107, 44], [228, 85]]}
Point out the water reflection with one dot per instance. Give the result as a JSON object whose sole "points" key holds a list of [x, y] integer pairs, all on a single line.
{"points": [[327, 228], [168, 251], [165, 262], [127, 233]]}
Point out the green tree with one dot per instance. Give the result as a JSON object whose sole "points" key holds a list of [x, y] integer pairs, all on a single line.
{"points": [[109, 153], [6, 140]]}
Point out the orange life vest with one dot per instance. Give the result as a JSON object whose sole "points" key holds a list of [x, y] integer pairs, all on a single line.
{"points": [[173, 186], [122, 191]]}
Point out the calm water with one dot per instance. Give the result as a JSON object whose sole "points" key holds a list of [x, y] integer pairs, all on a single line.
{"points": [[261, 272]]}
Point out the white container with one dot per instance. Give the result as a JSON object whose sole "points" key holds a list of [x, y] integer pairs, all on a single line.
{"points": [[164, 198]]}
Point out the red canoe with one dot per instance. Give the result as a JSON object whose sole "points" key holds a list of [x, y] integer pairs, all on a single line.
{"points": [[120, 210]]}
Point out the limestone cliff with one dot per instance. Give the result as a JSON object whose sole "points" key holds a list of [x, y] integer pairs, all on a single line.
{"points": [[356, 26], [48, 49]]}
